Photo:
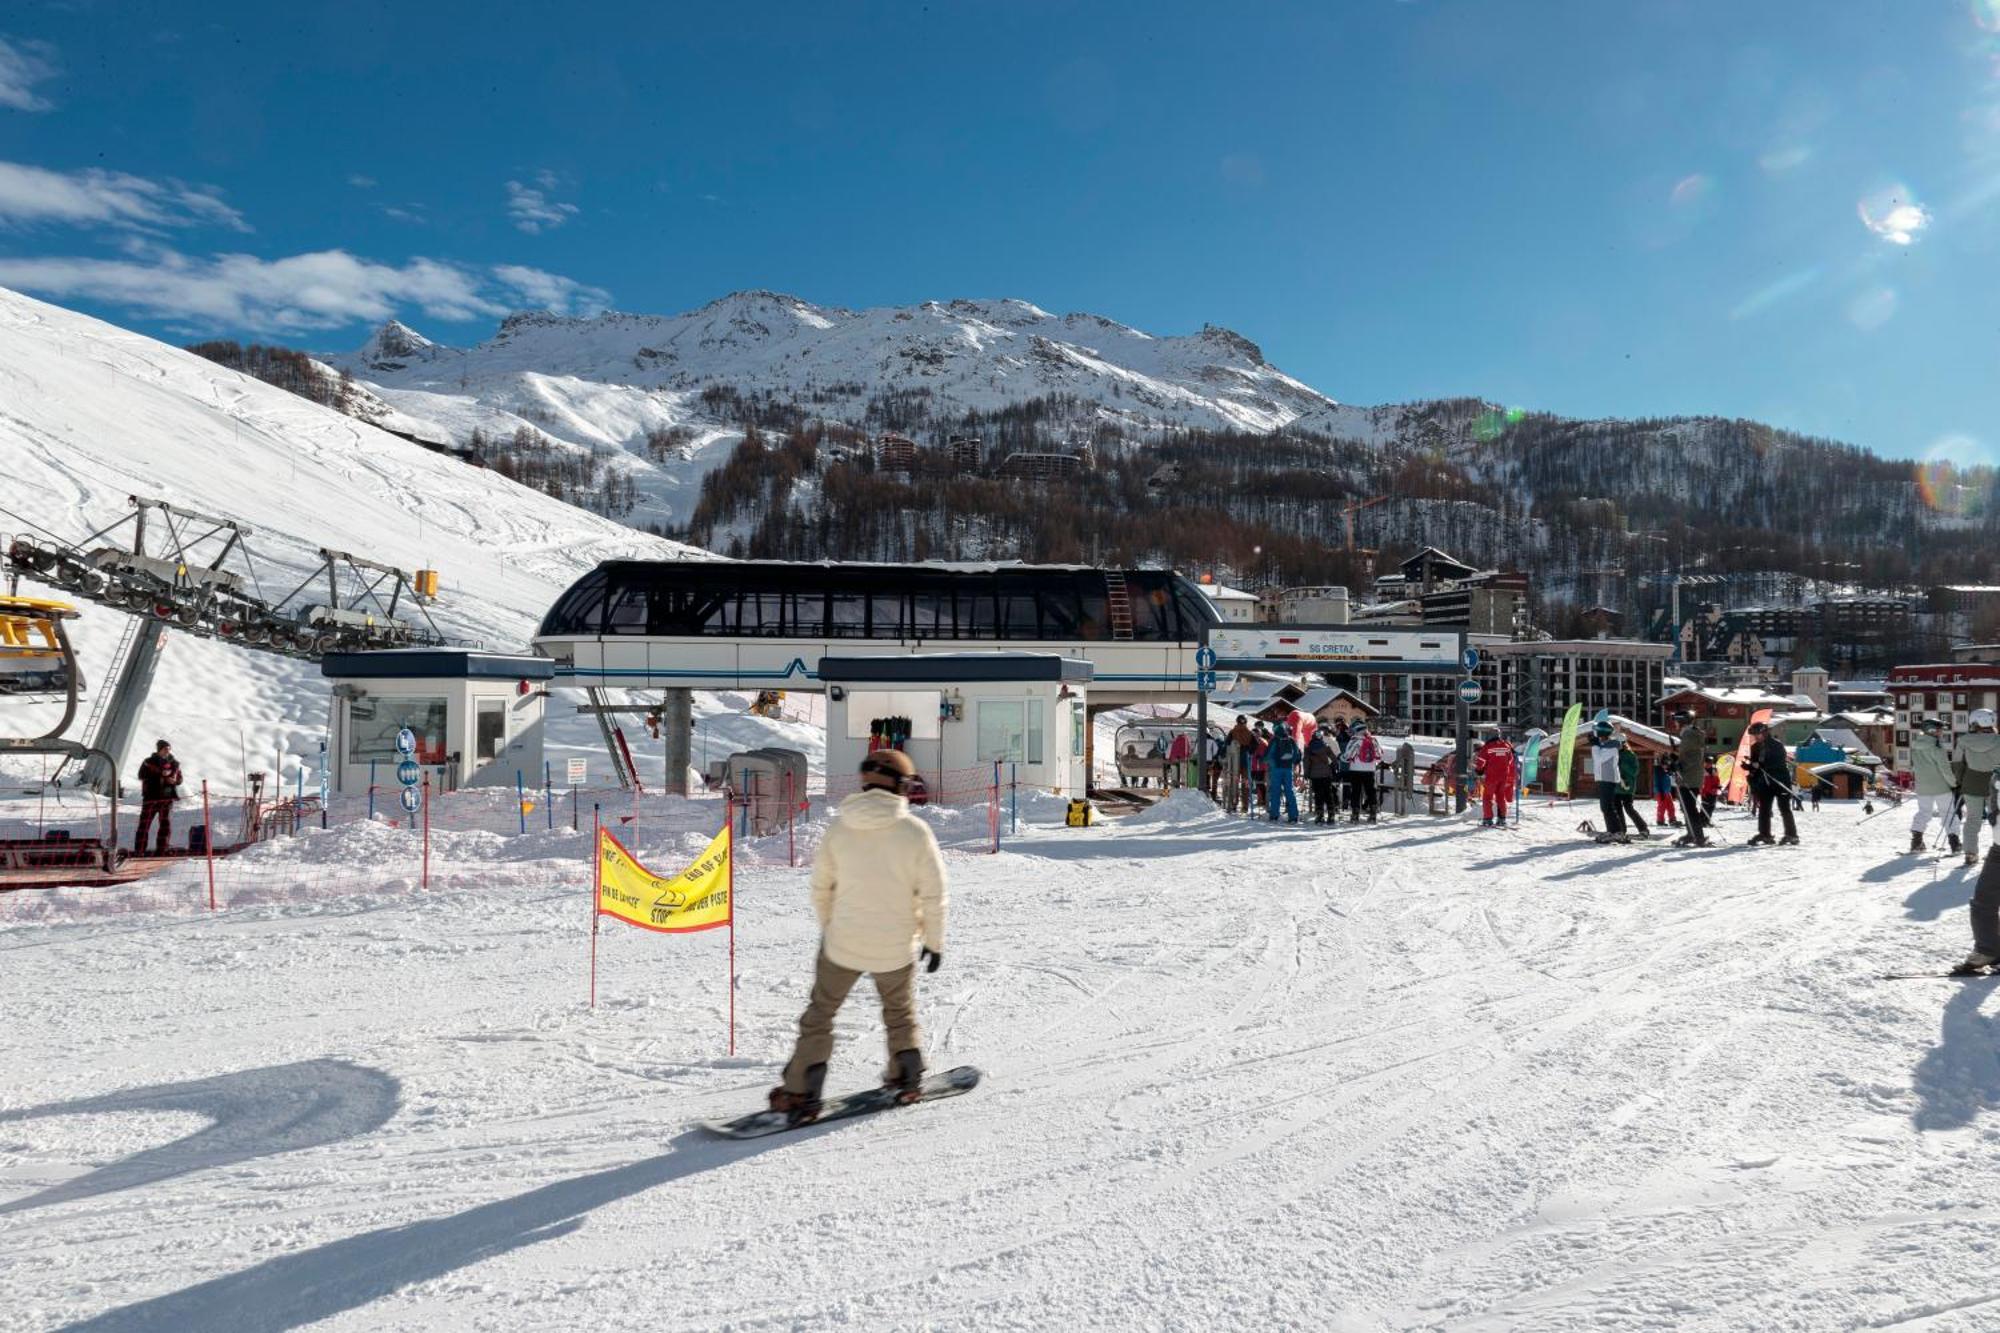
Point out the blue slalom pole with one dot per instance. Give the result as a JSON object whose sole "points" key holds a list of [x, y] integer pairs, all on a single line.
{"points": [[371, 790], [548, 796], [521, 799], [1013, 799]]}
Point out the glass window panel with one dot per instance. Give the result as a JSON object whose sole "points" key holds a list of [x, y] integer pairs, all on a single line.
{"points": [[626, 612], [1094, 607], [885, 616], [490, 729], [374, 720], [1002, 730], [847, 615], [1034, 709]]}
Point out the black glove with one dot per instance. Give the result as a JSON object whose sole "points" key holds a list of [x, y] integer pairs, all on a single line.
{"points": [[930, 958]]}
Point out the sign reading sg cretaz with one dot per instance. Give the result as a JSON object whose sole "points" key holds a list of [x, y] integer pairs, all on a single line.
{"points": [[1275, 643]]}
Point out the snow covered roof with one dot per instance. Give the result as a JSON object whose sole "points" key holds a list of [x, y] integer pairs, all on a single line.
{"points": [[1221, 593], [1742, 694], [1324, 696]]}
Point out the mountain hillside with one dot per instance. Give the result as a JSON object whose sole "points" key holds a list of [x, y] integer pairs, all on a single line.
{"points": [[91, 414], [749, 426], [662, 398]]}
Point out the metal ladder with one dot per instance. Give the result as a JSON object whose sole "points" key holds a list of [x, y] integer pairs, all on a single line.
{"points": [[100, 697], [1119, 598]]}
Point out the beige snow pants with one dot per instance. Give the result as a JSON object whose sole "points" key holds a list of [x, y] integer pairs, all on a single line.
{"points": [[831, 983]]}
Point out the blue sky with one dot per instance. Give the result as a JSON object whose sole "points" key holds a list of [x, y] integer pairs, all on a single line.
{"points": [[1780, 210]]}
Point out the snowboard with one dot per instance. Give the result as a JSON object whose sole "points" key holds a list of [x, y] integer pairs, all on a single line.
{"points": [[1951, 976], [757, 1124]]}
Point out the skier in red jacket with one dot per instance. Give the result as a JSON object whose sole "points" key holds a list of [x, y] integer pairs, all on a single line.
{"points": [[1495, 764]]}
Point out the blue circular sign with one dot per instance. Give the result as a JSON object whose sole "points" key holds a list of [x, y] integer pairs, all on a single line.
{"points": [[1471, 658], [412, 799], [1204, 658], [406, 741], [408, 773], [1469, 691]]}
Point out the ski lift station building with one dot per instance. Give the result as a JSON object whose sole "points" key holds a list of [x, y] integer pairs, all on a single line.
{"points": [[1028, 711], [477, 716]]}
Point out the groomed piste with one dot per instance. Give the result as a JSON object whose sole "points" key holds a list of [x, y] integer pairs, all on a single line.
{"points": [[1411, 1075]]}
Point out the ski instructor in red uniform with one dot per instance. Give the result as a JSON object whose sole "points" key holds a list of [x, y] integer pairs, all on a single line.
{"points": [[878, 889], [1498, 772]]}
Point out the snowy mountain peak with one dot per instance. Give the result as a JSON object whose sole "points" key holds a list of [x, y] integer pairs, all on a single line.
{"points": [[394, 346]]}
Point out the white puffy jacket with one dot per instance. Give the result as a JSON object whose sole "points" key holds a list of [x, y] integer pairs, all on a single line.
{"points": [[878, 884]]}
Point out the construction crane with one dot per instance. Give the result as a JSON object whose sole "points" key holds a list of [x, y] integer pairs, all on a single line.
{"points": [[1348, 512]]}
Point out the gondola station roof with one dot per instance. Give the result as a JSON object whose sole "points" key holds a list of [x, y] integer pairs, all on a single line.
{"points": [[435, 664]]}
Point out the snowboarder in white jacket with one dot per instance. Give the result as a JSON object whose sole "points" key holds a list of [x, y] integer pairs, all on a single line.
{"points": [[1937, 785], [878, 889]]}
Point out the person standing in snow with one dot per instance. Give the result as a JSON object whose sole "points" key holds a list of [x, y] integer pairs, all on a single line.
{"points": [[1628, 787], [1320, 763], [1242, 744], [1282, 761], [1691, 775], [1978, 758], [1497, 775], [159, 788], [1985, 914], [1768, 788], [878, 889], [1664, 813], [1361, 758], [1604, 771], [1711, 792]]}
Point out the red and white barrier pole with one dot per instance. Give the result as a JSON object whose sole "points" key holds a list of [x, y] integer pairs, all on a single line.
{"points": [[208, 842], [426, 882]]}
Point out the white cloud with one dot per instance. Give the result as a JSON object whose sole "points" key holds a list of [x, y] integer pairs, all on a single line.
{"points": [[1894, 214], [22, 66], [552, 291], [531, 208], [108, 198], [361, 182], [322, 290]]}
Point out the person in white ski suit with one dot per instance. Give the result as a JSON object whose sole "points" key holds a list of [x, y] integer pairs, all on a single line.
{"points": [[878, 889], [1604, 759], [1978, 757], [1937, 785]]}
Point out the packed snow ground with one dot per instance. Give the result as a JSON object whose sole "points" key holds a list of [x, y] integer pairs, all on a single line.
{"points": [[1414, 1075]]}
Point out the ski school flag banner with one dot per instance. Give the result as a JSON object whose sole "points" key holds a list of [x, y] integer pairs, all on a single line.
{"points": [[701, 897], [1531, 756], [1568, 751], [698, 898]]}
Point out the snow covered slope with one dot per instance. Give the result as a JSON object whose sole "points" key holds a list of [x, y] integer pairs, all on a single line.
{"points": [[91, 414], [608, 380], [1394, 1077]]}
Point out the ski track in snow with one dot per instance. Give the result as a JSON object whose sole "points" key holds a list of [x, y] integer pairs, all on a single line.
{"points": [[1406, 1076]]}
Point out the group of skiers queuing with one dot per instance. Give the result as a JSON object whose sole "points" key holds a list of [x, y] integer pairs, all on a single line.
{"points": [[1260, 767]]}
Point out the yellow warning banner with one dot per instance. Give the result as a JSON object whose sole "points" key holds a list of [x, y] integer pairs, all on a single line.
{"points": [[696, 899]]}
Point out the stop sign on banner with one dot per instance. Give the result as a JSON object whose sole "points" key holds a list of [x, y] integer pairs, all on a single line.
{"points": [[408, 773], [411, 799]]}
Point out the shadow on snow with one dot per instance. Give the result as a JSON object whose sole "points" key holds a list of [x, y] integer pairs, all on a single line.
{"points": [[253, 1113], [315, 1284]]}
